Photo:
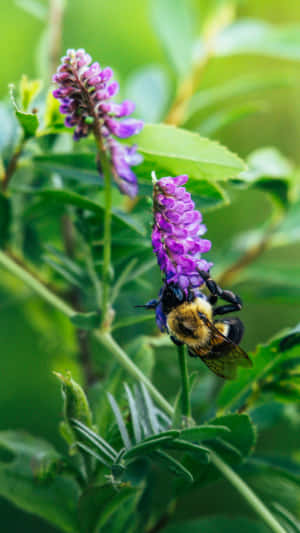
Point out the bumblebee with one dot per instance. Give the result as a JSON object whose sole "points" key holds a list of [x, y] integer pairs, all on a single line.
{"points": [[190, 320]]}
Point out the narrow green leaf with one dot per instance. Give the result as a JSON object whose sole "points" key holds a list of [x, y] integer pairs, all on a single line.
{"points": [[88, 433], [80, 167], [87, 321], [204, 432], [91, 452], [145, 447], [65, 197], [179, 151], [150, 409], [173, 465], [225, 117], [218, 524], [235, 88], [120, 421], [201, 451], [134, 414], [250, 36], [287, 517], [174, 24], [64, 273]]}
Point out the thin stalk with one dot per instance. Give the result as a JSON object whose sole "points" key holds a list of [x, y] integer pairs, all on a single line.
{"points": [[106, 340], [247, 493], [182, 359], [56, 13], [35, 285], [106, 269]]}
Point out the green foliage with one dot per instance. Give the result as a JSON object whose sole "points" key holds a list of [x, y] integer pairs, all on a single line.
{"points": [[278, 354], [135, 463], [31, 476]]}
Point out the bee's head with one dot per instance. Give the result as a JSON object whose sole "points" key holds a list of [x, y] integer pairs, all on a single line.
{"points": [[171, 297]]}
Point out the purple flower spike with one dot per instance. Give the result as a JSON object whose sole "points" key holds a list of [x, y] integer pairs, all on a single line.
{"points": [[84, 91], [176, 235]]}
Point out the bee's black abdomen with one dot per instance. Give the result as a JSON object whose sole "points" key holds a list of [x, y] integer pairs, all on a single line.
{"points": [[236, 329]]}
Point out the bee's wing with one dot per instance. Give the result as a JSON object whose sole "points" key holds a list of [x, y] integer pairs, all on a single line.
{"points": [[224, 357]]}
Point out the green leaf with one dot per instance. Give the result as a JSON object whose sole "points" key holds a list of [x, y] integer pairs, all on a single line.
{"points": [[30, 479], [133, 414], [241, 438], [270, 171], [201, 452], [265, 359], [221, 119], [289, 230], [87, 321], [95, 439], [287, 517], [233, 89], [5, 219], [250, 36], [179, 151], [65, 197], [33, 7], [173, 465], [149, 89], [204, 432], [99, 503], [29, 89], [29, 122], [144, 448], [174, 24], [120, 422], [217, 524], [81, 167]]}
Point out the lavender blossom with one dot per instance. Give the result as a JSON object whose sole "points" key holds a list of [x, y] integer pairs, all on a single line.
{"points": [[177, 235], [84, 91]]}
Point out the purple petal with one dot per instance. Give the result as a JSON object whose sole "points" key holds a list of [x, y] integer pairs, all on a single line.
{"points": [[126, 128]]}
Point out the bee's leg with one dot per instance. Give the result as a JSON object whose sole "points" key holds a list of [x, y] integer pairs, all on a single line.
{"points": [[235, 328], [149, 305], [235, 303], [176, 341]]}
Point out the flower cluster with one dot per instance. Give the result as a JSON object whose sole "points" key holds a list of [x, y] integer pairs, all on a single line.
{"points": [[84, 91], [177, 234]]}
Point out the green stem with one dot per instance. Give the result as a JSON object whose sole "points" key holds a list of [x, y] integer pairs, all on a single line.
{"points": [[182, 359], [106, 340], [107, 237], [247, 493], [35, 285]]}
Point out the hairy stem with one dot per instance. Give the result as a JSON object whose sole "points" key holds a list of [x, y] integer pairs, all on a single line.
{"points": [[182, 359], [247, 493]]}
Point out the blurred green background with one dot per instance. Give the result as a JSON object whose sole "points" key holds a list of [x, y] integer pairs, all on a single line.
{"points": [[34, 338]]}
